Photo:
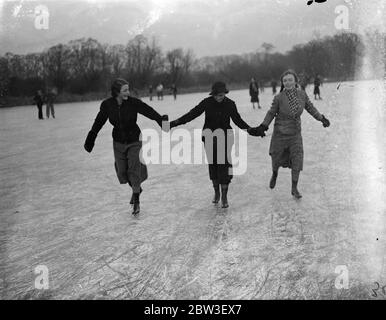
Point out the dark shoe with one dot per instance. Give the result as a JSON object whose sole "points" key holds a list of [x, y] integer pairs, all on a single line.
{"points": [[132, 196], [136, 207], [224, 193], [216, 197], [272, 182]]}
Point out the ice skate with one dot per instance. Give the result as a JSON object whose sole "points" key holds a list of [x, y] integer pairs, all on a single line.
{"points": [[132, 196], [272, 182], [295, 192], [216, 197], [136, 207]]}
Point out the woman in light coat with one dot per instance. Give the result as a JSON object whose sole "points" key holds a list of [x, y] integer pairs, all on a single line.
{"points": [[286, 148]]}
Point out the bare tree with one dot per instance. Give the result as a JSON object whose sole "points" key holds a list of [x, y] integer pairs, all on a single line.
{"points": [[55, 63], [142, 59]]}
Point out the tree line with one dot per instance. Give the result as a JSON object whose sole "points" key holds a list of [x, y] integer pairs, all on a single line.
{"points": [[85, 65]]}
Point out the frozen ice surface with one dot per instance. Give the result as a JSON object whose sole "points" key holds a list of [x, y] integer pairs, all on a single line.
{"points": [[64, 208]]}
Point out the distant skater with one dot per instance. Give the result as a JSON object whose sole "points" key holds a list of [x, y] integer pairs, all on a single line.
{"points": [[38, 98], [286, 149], [50, 99], [261, 86], [122, 110], [151, 92], [317, 84], [254, 93], [274, 85], [219, 110]]}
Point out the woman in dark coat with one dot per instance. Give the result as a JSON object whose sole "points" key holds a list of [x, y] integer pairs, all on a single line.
{"points": [[286, 149], [122, 111], [218, 109], [254, 93]]}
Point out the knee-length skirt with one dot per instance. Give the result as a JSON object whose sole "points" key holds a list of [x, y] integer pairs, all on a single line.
{"points": [[128, 166], [254, 97]]}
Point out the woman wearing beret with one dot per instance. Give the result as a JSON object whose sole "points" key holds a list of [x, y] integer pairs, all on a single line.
{"points": [[286, 148], [218, 110], [122, 111]]}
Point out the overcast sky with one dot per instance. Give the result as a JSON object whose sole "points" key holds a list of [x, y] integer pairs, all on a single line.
{"points": [[209, 27]]}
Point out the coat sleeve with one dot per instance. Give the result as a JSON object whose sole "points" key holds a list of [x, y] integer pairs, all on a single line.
{"points": [[149, 112], [236, 118], [311, 109], [101, 118], [272, 112], [192, 114]]}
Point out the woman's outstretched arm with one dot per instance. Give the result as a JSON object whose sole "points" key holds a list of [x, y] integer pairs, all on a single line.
{"points": [[272, 112], [311, 109], [150, 113], [315, 113], [99, 122], [236, 118]]}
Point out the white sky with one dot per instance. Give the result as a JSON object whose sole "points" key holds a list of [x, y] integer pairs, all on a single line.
{"points": [[209, 27]]}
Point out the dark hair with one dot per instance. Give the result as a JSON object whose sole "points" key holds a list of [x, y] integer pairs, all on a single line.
{"points": [[116, 86], [285, 73]]}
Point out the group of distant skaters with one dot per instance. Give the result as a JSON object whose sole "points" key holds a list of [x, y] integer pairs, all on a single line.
{"points": [[160, 91], [48, 98], [286, 147], [303, 80]]}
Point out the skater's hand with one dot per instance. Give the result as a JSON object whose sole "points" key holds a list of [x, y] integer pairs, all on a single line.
{"points": [[325, 121], [90, 141]]}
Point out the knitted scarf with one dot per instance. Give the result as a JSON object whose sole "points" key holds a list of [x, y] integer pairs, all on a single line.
{"points": [[292, 96]]}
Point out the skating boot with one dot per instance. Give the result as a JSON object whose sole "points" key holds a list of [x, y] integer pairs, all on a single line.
{"points": [[224, 193], [136, 208], [295, 191], [216, 188]]}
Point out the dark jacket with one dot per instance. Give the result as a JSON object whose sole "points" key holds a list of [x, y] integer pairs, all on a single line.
{"points": [[217, 115], [252, 90], [124, 118]]}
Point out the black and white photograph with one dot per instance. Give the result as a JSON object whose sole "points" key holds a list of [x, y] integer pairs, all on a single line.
{"points": [[193, 150]]}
